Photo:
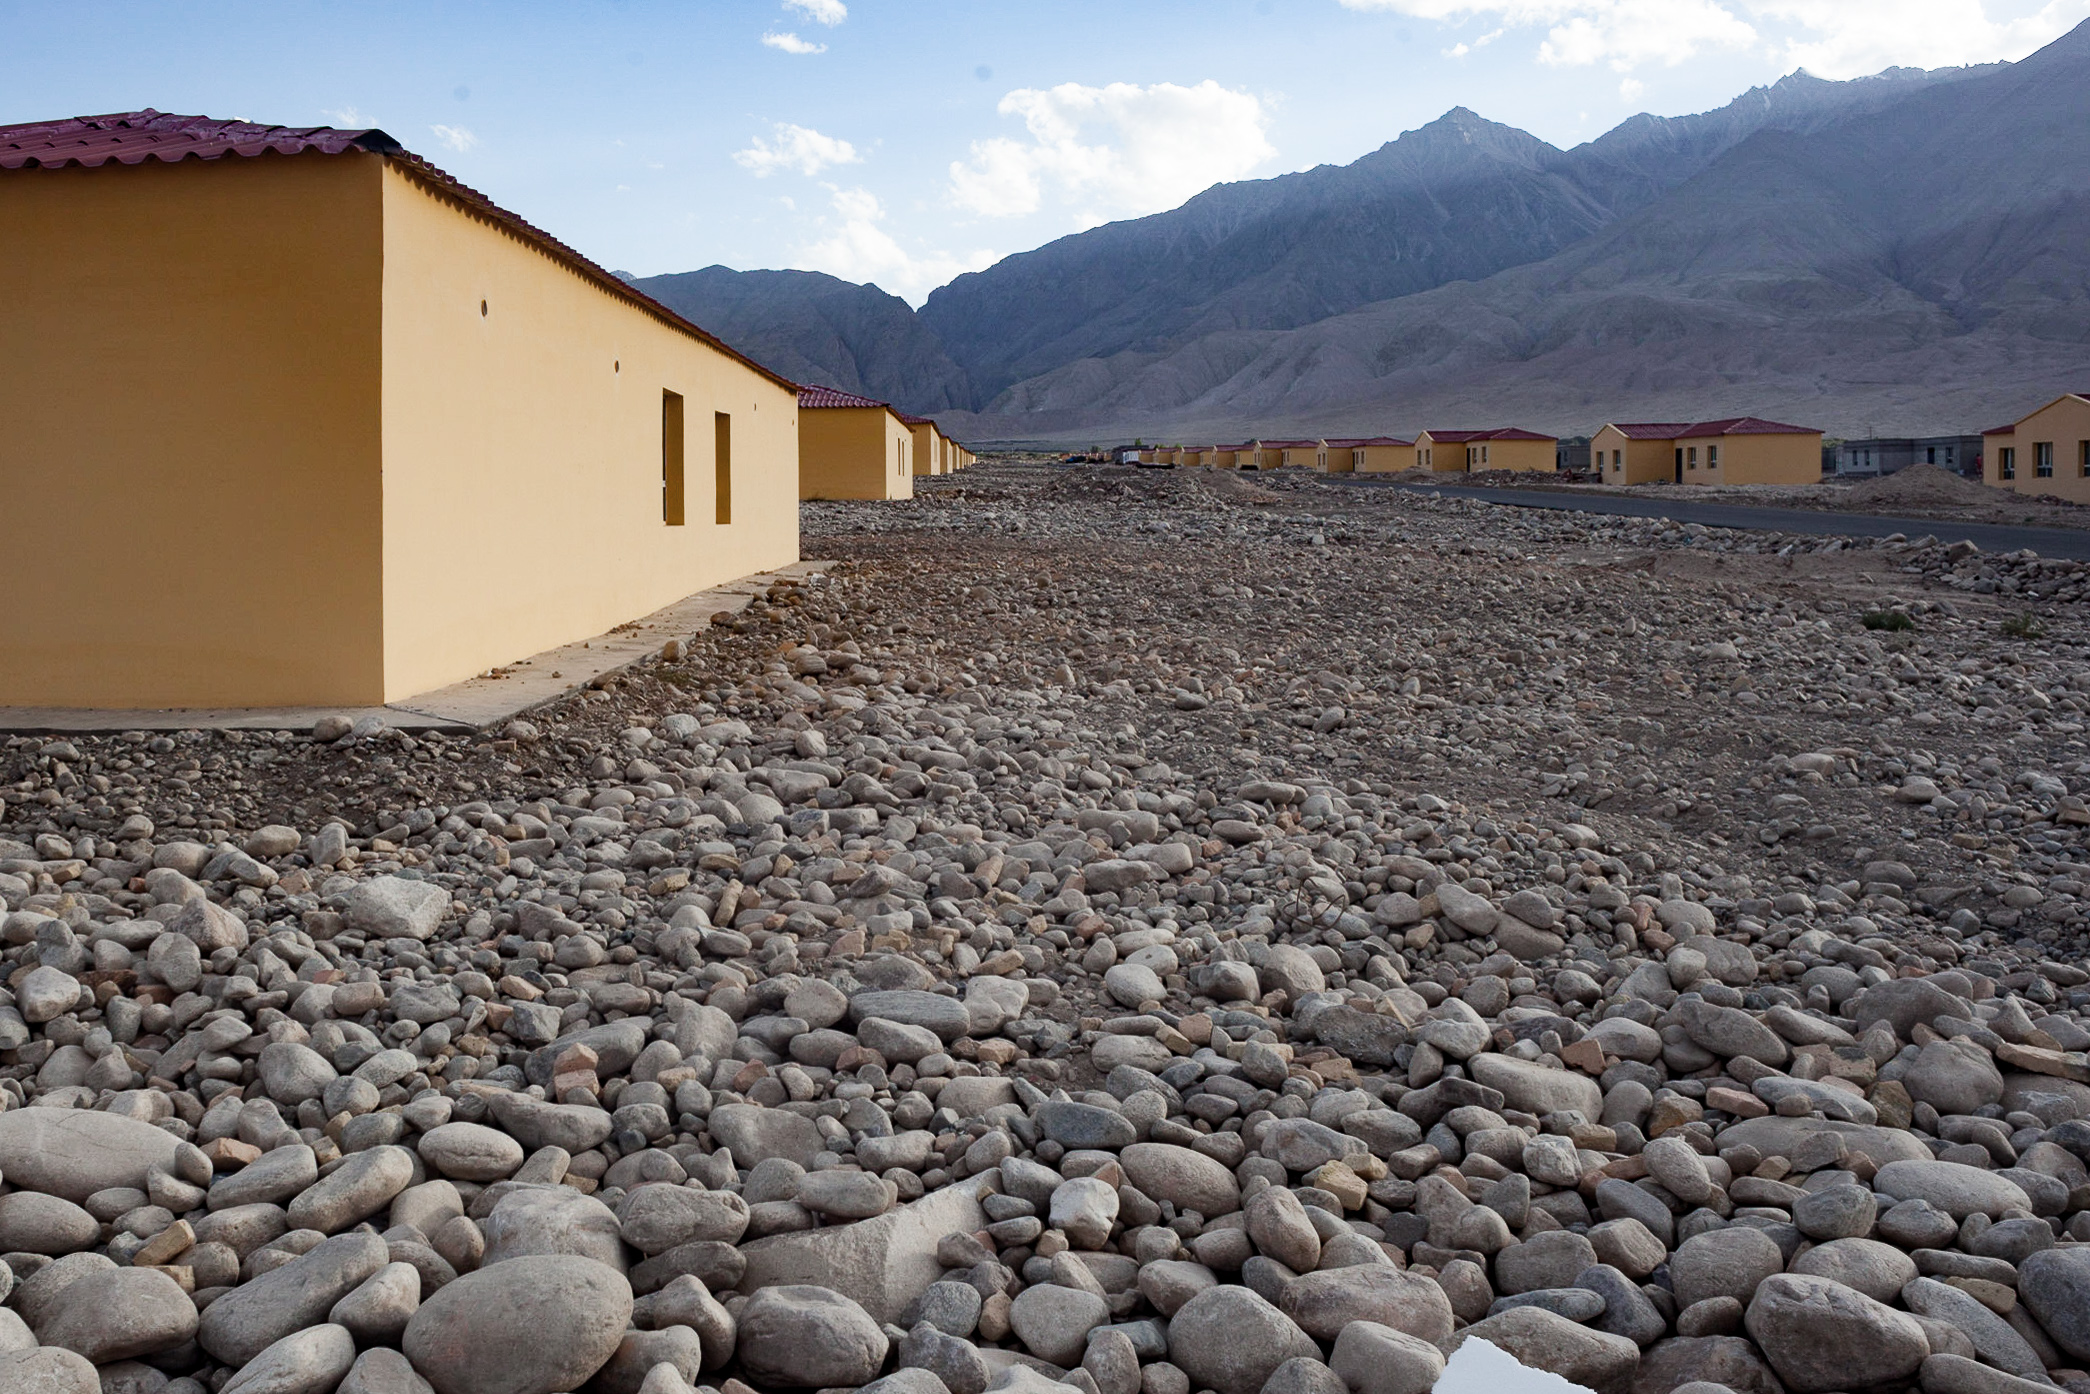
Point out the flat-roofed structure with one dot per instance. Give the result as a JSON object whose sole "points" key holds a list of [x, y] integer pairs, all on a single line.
{"points": [[343, 430]]}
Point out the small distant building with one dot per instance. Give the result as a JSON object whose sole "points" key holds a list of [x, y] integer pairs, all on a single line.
{"points": [[1736, 450], [1229, 457], [342, 430], [1750, 450], [2047, 452], [927, 452], [1276, 454], [1125, 455], [1380, 455], [852, 447], [1636, 452], [1501, 448], [1864, 459], [1572, 454]]}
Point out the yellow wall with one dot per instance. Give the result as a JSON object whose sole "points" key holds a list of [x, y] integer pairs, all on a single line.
{"points": [[1646, 461], [1522, 456], [1992, 448], [1382, 459], [189, 451], [921, 449], [2065, 426], [522, 449], [1441, 457], [853, 453], [1757, 459]]}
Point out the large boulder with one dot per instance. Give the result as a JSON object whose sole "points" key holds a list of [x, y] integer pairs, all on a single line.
{"points": [[881, 1264], [1229, 1339], [1535, 1088], [536, 1220], [2055, 1285], [1820, 1335], [254, 1316], [120, 1314], [801, 1336], [1774, 1136], [73, 1153], [392, 907], [534, 1325], [757, 1134], [1546, 1340]]}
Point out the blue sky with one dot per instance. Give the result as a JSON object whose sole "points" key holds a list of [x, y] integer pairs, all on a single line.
{"points": [[904, 141]]}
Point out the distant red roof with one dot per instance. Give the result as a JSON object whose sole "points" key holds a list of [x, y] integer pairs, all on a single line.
{"points": [[1498, 433], [1288, 444], [1744, 426], [908, 418], [2011, 429], [836, 397], [1649, 430], [1353, 442], [133, 137]]}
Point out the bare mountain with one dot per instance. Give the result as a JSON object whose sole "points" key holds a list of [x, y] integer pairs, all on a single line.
{"points": [[814, 328], [1916, 262], [1458, 199]]}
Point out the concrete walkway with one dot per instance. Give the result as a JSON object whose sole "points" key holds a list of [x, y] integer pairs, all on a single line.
{"points": [[2071, 543], [471, 705]]}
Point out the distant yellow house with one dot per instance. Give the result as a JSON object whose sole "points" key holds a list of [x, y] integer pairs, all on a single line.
{"points": [[1502, 448], [852, 447], [1635, 452], [933, 452], [1380, 455], [1276, 454], [1747, 450], [342, 430], [1227, 457], [2047, 452]]}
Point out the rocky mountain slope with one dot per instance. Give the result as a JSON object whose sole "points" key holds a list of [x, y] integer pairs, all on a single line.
{"points": [[1919, 266], [815, 328]]}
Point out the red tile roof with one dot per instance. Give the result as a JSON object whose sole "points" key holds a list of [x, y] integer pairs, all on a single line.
{"points": [[1288, 444], [2011, 429], [1498, 433], [1744, 426], [1353, 442], [133, 137], [1649, 430], [836, 397], [908, 418]]}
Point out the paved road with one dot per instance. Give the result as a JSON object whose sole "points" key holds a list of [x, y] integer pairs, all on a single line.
{"points": [[2073, 543]]}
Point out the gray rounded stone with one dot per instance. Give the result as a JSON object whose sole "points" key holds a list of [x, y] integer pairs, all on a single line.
{"points": [[1230, 1340], [1880, 1271], [1957, 1190], [1374, 1359], [312, 1361], [2055, 1285], [533, 1325], [657, 1218], [72, 1153], [1190, 1180], [803, 1337], [1836, 1212], [47, 1370], [1724, 1263], [362, 1185], [1054, 1322], [1821, 1336], [120, 1314], [33, 1223], [539, 1220], [1324, 1302], [470, 1152]]}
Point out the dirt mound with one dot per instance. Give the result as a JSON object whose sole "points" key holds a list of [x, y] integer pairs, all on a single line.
{"points": [[1918, 486]]}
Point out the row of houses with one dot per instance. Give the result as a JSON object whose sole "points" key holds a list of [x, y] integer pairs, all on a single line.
{"points": [[852, 447], [323, 427], [1736, 450]]}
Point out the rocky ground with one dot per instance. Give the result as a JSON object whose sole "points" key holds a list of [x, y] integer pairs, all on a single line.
{"points": [[1920, 491], [1140, 930]]}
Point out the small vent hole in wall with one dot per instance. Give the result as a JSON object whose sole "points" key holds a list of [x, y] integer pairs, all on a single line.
{"points": [[482, 309]]}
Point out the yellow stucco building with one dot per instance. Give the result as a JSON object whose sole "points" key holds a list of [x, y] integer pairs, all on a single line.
{"points": [[928, 451], [342, 430], [1635, 452], [1734, 450], [1381, 455], [850, 447], [2047, 452], [1500, 448]]}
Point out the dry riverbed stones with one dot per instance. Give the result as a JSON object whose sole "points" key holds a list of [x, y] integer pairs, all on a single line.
{"points": [[1144, 936]]}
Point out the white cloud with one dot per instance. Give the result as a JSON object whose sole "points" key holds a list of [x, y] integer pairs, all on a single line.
{"points": [[457, 138], [347, 118], [1830, 38], [857, 247], [791, 43], [1849, 38], [1631, 88], [827, 12], [1115, 151], [798, 148]]}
